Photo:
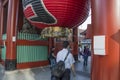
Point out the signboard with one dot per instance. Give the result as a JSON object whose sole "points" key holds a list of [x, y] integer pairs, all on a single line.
{"points": [[99, 45]]}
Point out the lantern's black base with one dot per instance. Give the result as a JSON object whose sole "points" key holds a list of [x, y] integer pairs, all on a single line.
{"points": [[10, 64]]}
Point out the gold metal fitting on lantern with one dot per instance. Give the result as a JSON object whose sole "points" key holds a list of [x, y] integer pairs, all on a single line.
{"points": [[55, 32], [57, 29]]}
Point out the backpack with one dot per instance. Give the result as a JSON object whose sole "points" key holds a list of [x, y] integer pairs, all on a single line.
{"points": [[58, 69]]}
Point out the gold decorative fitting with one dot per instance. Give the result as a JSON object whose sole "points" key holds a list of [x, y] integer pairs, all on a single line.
{"points": [[55, 32]]}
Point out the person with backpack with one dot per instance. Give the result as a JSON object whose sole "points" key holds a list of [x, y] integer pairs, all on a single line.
{"points": [[65, 56]]}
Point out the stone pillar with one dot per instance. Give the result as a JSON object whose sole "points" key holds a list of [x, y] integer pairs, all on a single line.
{"points": [[10, 62], [106, 21]]}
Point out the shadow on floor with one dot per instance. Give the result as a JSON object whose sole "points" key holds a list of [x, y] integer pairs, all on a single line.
{"points": [[43, 73]]}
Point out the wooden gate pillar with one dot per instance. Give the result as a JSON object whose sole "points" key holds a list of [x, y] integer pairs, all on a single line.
{"points": [[75, 43], [10, 62], [106, 22], [0, 20], [0, 28]]}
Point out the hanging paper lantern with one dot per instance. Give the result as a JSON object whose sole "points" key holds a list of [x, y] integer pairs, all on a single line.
{"points": [[52, 13]]}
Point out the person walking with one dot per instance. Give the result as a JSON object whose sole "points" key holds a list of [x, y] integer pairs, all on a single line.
{"points": [[85, 56], [69, 62], [52, 61], [52, 58], [80, 52]]}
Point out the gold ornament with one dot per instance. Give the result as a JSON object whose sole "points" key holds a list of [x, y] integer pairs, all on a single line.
{"points": [[55, 32]]}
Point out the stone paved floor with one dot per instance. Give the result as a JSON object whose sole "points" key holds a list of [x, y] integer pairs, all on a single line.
{"points": [[43, 73]]}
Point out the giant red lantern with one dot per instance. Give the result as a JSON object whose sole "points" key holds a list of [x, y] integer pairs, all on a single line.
{"points": [[62, 13]]}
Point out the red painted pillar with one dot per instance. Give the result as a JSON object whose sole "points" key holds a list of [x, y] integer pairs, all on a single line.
{"points": [[75, 43], [20, 16], [89, 32], [0, 28], [10, 62], [106, 21], [0, 20], [51, 44]]}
